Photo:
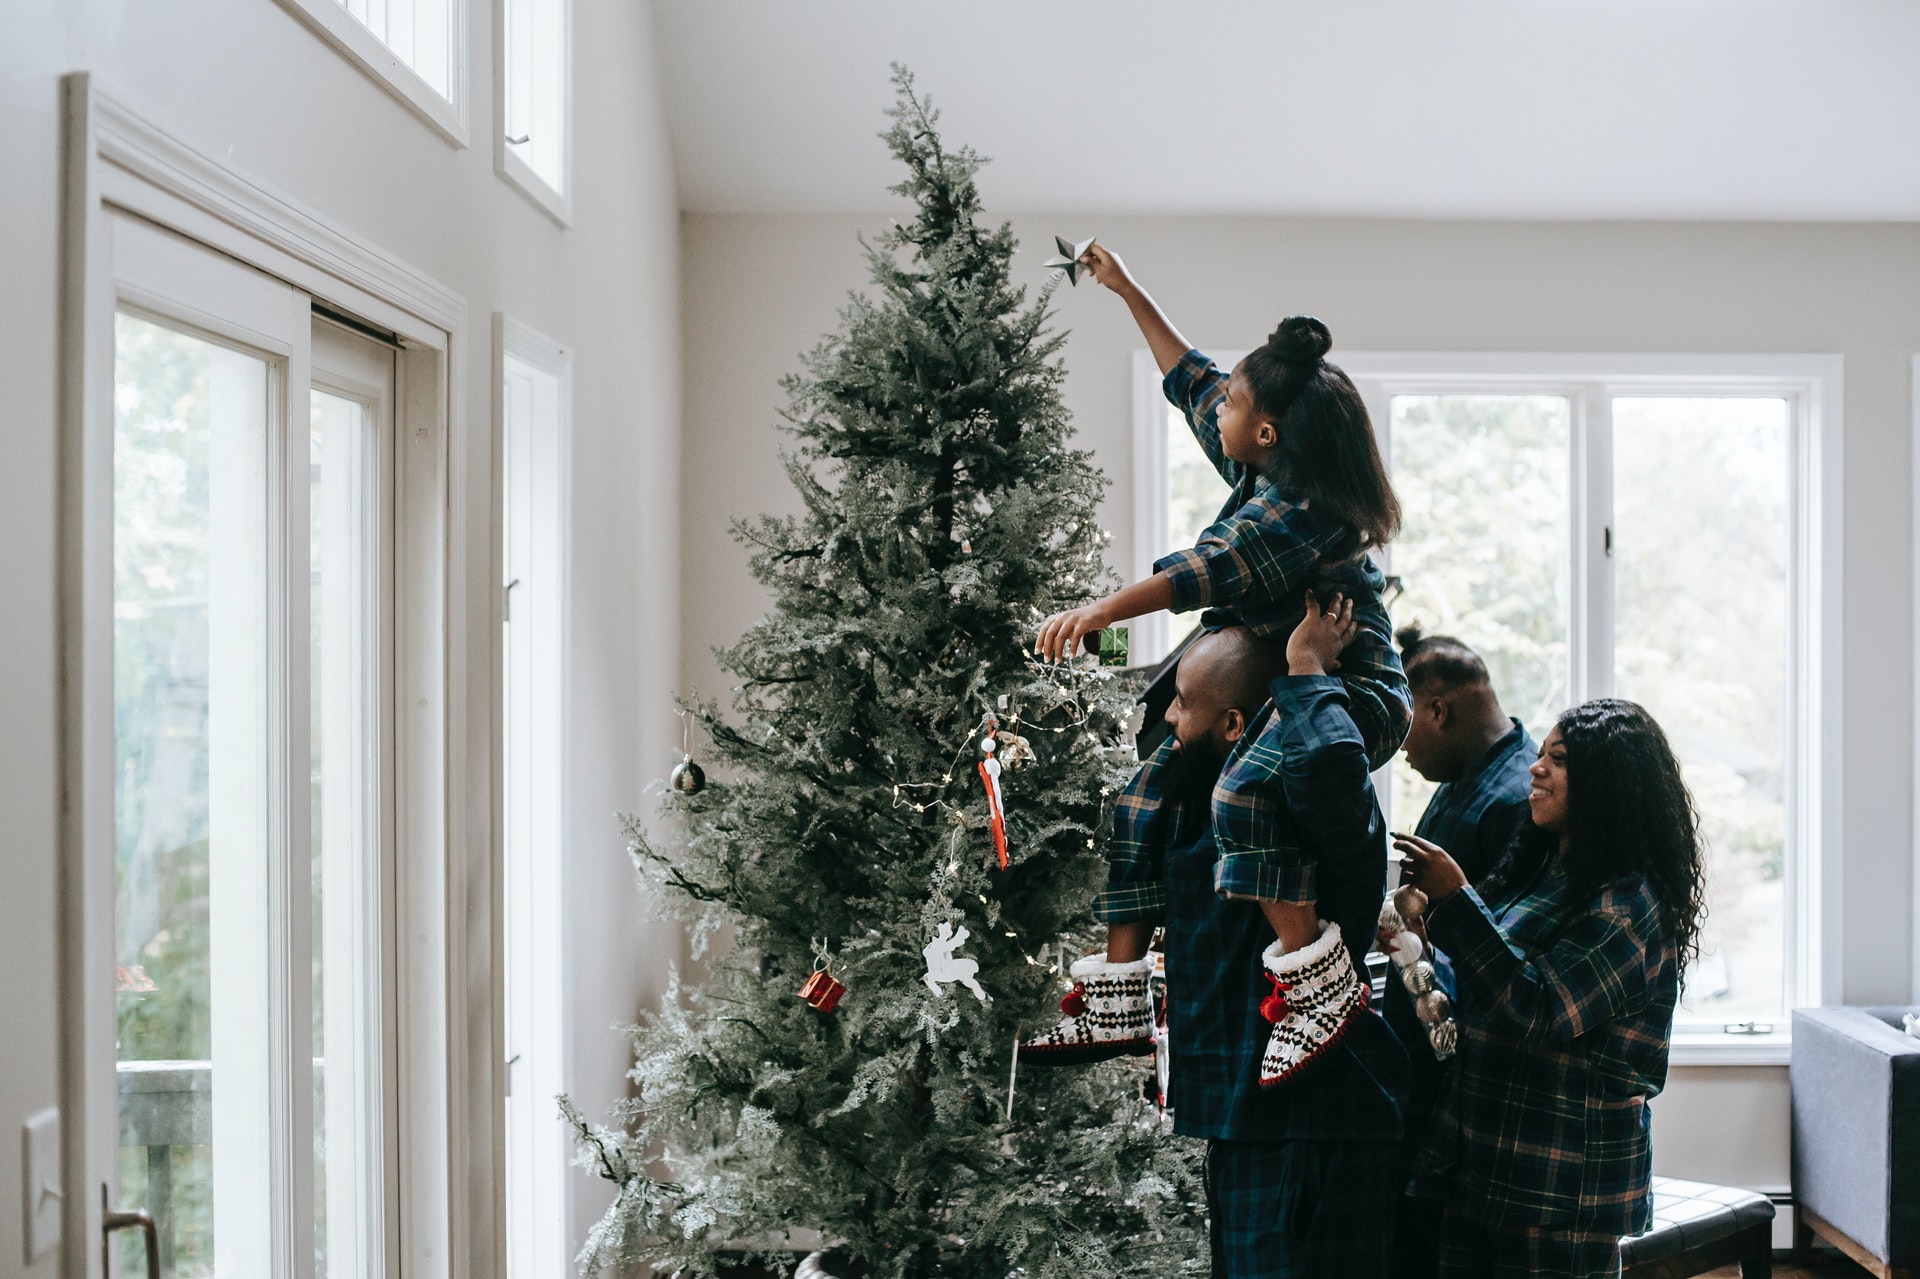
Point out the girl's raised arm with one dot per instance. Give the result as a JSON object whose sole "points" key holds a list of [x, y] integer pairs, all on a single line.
{"points": [[1163, 339]]}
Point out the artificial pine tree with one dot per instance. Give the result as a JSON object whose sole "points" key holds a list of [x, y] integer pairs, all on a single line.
{"points": [[945, 515]]}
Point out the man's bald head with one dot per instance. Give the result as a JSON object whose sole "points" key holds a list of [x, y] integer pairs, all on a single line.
{"points": [[1220, 684], [1233, 665]]}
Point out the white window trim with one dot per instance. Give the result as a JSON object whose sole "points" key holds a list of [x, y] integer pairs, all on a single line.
{"points": [[447, 116], [445, 669], [549, 1250], [516, 172], [1589, 381]]}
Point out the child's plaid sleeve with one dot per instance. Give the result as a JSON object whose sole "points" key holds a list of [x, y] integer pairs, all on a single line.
{"points": [[1196, 386], [1266, 550]]}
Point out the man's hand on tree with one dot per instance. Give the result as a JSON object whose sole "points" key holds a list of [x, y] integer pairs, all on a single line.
{"points": [[1314, 647], [1061, 634]]}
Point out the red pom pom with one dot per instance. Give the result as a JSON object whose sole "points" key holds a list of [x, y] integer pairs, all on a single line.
{"points": [[1076, 1001], [1274, 1006]]}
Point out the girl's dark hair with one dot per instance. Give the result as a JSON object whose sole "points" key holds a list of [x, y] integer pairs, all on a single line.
{"points": [[1326, 447], [1628, 813]]}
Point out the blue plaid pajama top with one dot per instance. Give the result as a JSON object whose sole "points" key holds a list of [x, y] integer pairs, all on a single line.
{"points": [[1265, 549], [1251, 568], [1566, 1017], [1474, 819]]}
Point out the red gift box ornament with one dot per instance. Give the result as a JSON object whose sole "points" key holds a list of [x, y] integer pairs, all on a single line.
{"points": [[822, 990]]}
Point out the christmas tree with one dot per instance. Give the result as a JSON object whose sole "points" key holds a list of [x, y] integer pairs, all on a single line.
{"points": [[849, 829]]}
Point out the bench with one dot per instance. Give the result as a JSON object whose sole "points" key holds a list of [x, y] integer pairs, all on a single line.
{"points": [[1698, 1227]]}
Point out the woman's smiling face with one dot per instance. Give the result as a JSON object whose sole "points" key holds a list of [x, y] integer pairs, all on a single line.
{"points": [[1547, 801]]}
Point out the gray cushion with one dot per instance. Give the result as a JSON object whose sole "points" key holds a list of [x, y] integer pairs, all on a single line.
{"points": [[1856, 1126], [1689, 1214]]}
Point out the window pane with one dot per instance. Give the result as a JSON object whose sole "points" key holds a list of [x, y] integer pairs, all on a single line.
{"points": [[190, 812], [1484, 553], [536, 86], [1701, 597], [537, 1147], [1195, 494], [346, 848], [418, 31]]}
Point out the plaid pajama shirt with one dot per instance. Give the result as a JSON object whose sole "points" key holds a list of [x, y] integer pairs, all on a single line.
{"points": [[1250, 568], [1566, 1012]]}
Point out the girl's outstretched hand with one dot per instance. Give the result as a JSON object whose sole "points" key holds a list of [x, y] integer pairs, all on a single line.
{"points": [[1427, 867], [1106, 267], [1061, 634]]}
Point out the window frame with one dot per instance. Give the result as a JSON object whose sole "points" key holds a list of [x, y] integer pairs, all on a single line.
{"points": [[356, 42], [441, 1196], [548, 639], [556, 203], [1813, 385]]}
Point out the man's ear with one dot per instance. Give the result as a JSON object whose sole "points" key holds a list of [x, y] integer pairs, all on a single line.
{"points": [[1236, 724], [1442, 711]]}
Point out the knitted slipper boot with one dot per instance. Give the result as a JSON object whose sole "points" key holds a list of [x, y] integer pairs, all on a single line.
{"points": [[1316, 995], [1108, 1014]]}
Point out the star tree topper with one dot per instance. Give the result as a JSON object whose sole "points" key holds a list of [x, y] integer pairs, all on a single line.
{"points": [[1069, 258]]}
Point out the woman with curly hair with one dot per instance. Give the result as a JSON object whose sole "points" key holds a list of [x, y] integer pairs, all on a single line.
{"points": [[1568, 966]]}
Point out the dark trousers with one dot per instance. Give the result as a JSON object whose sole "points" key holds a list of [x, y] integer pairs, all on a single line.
{"points": [[1301, 1209], [1416, 1239], [1469, 1250]]}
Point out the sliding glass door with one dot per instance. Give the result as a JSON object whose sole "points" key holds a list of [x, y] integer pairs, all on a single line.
{"points": [[252, 830]]}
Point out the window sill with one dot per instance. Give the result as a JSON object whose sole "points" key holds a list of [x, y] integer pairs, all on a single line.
{"points": [[347, 34], [1715, 1048], [520, 175]]}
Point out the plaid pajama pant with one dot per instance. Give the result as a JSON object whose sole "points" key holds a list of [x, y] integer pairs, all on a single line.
{"points": [[1469, 1250], [1301, 1209]]}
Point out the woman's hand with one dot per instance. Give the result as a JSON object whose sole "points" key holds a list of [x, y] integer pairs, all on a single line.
{"points": [[1427, 867], [1315, 645], [1060, 633], [1107, 268]]}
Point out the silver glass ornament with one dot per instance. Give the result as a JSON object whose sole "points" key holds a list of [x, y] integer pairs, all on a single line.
{"points": [[1418, 977], [1433, 1007]]}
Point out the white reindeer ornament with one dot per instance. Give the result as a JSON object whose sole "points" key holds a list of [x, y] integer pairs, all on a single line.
{"points": [[945, 966]]}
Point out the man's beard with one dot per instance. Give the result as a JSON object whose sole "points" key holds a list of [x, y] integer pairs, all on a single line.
{"points": [[1196, 770]]}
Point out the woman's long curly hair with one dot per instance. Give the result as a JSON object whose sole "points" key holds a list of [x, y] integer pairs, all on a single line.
{"points": [[1628, 813]]}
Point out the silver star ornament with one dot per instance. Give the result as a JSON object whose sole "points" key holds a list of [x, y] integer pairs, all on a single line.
{"points": [[1069, 258]]}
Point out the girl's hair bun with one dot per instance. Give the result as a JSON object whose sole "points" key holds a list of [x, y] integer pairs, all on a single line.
{"points": [[1300, 339]]}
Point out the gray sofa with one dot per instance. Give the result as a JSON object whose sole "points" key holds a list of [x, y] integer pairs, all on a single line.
{"points": [[1856, 1136]]}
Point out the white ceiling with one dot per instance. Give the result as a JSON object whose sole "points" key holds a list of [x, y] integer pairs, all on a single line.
{"points": [[1448, 108]]}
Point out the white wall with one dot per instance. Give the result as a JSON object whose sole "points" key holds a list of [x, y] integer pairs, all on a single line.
{"points": [[242, 80], [760, 288]]}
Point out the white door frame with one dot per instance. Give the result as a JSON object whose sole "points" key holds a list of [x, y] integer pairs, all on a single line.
{"points": [[446, 666]]}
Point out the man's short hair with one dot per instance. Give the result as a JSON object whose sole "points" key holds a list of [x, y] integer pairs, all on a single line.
{"points": [[1439, 662]]}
